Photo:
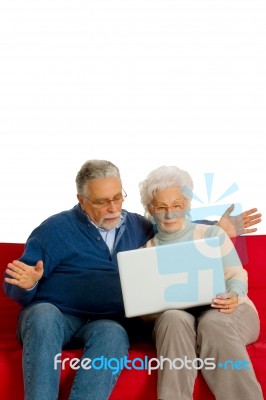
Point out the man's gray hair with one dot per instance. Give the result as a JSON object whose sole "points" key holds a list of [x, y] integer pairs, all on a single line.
{"points": [[162, 178], [94, 169]]}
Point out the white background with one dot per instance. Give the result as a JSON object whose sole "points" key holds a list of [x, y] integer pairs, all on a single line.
{"points": [[141, 83]]}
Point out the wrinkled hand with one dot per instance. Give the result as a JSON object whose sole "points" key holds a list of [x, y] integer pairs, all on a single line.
{"points": [[23, 275], [225, 303], [239, 224]]}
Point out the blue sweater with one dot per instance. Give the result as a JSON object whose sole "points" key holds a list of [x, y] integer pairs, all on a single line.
{"points": [[80, 275]]}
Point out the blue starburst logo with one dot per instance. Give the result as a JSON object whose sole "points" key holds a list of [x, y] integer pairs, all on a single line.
{"points": [[212, 208]]}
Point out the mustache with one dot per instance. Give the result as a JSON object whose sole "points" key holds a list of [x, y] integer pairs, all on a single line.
{"points": [[113, 215]]}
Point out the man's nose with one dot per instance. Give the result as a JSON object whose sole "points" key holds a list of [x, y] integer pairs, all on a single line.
{"points": [[112, 206]]}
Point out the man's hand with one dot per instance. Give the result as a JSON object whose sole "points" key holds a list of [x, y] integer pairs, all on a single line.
{"points": [[23, 275], [239, 224], [225, 303]]}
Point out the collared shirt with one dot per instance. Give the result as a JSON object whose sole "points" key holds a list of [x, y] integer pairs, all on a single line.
{"points": [[109, 236]]}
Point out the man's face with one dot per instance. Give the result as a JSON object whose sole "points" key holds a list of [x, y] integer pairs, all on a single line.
{"points": [[97, 205]]}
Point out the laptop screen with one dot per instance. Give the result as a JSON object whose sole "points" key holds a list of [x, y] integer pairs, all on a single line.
{"points": [[172, 276]]}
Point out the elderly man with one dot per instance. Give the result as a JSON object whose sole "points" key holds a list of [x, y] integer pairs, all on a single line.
{"points": [[68, 284]]}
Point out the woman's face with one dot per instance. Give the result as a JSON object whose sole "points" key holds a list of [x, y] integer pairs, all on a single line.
{"points": [[168, 209]]}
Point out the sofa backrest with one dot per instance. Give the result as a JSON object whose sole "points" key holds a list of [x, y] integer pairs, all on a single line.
{"points": [[9, 309], [252, 249]]}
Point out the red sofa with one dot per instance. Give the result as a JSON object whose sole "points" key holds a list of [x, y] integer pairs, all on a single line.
{"points": [[132, 384]]}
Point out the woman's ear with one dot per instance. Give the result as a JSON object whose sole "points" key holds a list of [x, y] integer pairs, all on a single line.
{"points": [[186, 203], [187, 206]]}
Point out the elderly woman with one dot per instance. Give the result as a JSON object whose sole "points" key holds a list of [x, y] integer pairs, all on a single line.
{"points": [[221, 330]]}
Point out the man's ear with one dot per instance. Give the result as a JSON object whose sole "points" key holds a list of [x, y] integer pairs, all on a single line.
{"points": [[81, 201], [150, 209]]}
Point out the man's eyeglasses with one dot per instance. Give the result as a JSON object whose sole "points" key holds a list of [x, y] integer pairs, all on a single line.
{"points": [[104, 203]]}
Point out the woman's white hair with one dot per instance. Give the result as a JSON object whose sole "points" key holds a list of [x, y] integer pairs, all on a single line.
{"points": [[162, 178]]}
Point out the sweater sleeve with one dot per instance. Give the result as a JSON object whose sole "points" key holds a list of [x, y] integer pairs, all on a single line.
{"points": [[21, 296], [235, 275], [32, 254], [205, 222]]}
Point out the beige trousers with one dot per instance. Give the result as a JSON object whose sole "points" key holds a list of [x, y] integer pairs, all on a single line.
{"points": [[204, 333]]}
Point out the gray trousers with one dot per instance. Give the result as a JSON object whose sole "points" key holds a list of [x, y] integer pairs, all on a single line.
{"points": [[204, 333]]}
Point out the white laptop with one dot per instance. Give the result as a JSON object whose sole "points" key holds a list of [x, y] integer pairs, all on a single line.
{"points": [[172, 276]]}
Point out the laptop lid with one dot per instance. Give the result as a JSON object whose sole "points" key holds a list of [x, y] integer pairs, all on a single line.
{"points": [[171, 276]]}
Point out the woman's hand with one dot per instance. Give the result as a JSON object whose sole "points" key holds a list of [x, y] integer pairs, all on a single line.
{"points": [[236, 225], [225, 302], [23, 275]]}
